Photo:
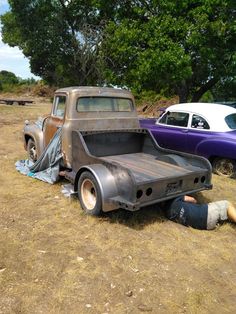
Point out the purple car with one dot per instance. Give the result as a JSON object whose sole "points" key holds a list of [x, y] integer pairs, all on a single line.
{"points": [[204, 129]]}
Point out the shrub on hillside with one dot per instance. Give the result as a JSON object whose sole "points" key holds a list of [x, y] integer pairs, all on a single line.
{"points": [[43, 90]]}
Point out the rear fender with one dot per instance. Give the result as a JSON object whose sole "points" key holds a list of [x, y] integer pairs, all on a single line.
{"points": [[106, 182], [217, 147]]}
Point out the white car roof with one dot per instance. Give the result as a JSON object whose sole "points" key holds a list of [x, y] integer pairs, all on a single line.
{"points": [[213, 113]]}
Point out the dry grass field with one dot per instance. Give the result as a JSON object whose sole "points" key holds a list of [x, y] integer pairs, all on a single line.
{"points": [[55, 259]]}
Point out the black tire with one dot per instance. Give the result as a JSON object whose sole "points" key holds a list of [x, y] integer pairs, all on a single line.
{"points": [[89, 194], [224, 167], [31, 150]]}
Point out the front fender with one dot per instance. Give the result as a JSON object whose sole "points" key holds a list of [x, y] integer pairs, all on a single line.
{"points": [[225, 148], [36, 133]]}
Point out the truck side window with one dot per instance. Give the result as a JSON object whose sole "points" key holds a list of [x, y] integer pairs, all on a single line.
{"points": [[175, 118], [59, 106], [199, 122]]}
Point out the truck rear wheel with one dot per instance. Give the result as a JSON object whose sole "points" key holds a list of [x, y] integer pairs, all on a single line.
{"points": [[31, 150], [89, 194]]}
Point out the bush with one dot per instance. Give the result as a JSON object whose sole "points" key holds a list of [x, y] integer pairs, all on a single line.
{"points": [[146, 97], [8, 78], [42, 90]]}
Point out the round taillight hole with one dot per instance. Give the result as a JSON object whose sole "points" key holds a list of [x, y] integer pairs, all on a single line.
{"points": [[203, 179], [139, 194], [196, 180], [149, 191]]}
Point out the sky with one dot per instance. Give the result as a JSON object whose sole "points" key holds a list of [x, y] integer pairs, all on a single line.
{"points": [[12, 59]]}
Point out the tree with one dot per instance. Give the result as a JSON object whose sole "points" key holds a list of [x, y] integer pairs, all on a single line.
{"points": [[60, 37], [7, 77], [182, 47], [225, 90]]}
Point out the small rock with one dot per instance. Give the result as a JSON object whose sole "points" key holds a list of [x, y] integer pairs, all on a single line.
{"points": [[2, 270], [79, 259], [88, 306], [129, 293], [135, 270], [144, 308]]}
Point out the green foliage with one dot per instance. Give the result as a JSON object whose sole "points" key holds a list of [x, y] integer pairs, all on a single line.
{"points": [[61, 38], [8, 78], [146, 96], [10, 83], [207, 97], [183, 47], [28, 81], [225, 90], [165, 46]]}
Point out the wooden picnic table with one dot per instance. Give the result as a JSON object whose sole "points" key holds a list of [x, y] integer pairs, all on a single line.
{"points": [[20, 102]]}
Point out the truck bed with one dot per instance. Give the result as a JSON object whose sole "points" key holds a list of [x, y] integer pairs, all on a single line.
{"points": [[146, 167], [136, 171]]}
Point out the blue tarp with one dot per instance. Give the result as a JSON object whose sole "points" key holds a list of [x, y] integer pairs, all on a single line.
{"points": [[47, 167]]}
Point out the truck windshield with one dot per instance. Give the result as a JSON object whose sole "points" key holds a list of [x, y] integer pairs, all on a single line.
{"points": [[231, 121], [88, 104]]}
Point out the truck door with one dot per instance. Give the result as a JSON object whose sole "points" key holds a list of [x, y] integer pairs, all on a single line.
{"points": [[56, 119]]}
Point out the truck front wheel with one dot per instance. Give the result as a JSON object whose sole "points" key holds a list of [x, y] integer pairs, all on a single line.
{"points": [[89, 194], [31, 150]]}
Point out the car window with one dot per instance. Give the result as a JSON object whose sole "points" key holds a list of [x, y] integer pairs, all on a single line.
{"points": [[231, 121], [90, 104], [59, 106], [199, 122], [175, 118]]}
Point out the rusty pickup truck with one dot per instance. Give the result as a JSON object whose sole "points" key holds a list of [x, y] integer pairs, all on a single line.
{"points": [[108, 158]]}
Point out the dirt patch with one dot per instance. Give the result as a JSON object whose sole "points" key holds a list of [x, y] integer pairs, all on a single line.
{"points": [[55, 259], [152, 109]]}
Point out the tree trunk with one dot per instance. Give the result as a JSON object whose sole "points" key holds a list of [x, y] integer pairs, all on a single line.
{"points": [[204, 88], [183, 92]]}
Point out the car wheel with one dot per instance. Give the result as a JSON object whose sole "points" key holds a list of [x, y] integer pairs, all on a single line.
{"points": [[224, 167], [89, 194], [31, 150]]}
